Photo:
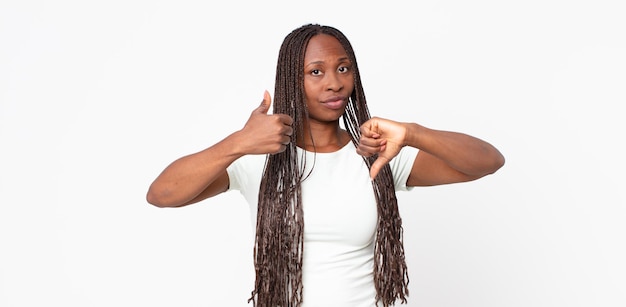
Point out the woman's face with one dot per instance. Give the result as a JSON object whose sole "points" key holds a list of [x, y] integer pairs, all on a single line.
{"points": [[328, 78]]}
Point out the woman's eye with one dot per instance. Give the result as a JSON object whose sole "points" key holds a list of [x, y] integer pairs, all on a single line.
{"points": [[343, 69], [316, 72]]}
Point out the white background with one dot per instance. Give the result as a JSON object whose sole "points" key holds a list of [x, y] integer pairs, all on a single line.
{"points": [[97, 97]]}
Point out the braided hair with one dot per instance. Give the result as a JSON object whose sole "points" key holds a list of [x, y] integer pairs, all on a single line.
{"points": [[279, 242]]}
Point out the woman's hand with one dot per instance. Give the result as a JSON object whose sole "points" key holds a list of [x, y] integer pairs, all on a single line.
{"points": [[383, 137], [444, 157], [265, 133]]}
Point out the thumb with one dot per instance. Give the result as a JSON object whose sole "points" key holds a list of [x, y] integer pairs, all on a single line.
{"points": [[265, 104], [377, 166]]}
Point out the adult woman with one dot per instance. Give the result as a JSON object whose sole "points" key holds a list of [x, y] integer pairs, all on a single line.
{"points": [[328, 231]]}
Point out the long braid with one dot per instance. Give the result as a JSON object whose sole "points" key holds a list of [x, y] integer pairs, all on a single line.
{"points": [[280, 225], [279, 240], [391, 276]]}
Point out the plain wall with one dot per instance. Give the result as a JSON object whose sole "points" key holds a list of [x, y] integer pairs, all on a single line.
{"points": [[96, 98]]}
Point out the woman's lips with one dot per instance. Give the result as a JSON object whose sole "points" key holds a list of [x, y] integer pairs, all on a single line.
{"points": [[334, 103]]}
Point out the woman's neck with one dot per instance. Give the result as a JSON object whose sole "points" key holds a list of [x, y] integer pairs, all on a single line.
{"points": [[321, 138]]}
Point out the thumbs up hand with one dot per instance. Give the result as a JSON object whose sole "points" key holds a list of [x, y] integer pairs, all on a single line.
{"points": [[266, 133]]}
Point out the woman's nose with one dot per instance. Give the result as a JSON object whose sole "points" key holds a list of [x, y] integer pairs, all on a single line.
{"points": [[333, 82]]}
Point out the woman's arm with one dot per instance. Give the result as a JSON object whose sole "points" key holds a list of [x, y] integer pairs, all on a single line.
{"points": [[444, 157], [203, 174]]}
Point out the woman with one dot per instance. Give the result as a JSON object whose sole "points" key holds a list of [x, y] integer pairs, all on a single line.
{"points": [[328, 231]]}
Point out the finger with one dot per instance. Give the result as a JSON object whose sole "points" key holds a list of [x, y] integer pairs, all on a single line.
{"points": [[364, 153], [377, 166], [265, 104], [281, 149], [286, 119], [285, 140], [370, 128], [371, 142], [367, 151], [365, 130], [288, 131]]}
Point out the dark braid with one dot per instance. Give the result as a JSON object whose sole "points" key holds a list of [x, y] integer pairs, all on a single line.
{"points": [[280, 224]]}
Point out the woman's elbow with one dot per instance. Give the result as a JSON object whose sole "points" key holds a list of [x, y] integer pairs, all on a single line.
{"points": [[497, 162], [157, 199], [489, 164]]}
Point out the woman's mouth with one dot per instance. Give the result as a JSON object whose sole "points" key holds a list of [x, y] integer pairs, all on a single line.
{"points": [[334, 103]]}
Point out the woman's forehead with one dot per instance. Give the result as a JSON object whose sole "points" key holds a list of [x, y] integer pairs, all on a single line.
{"points": [[322, 46]]}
